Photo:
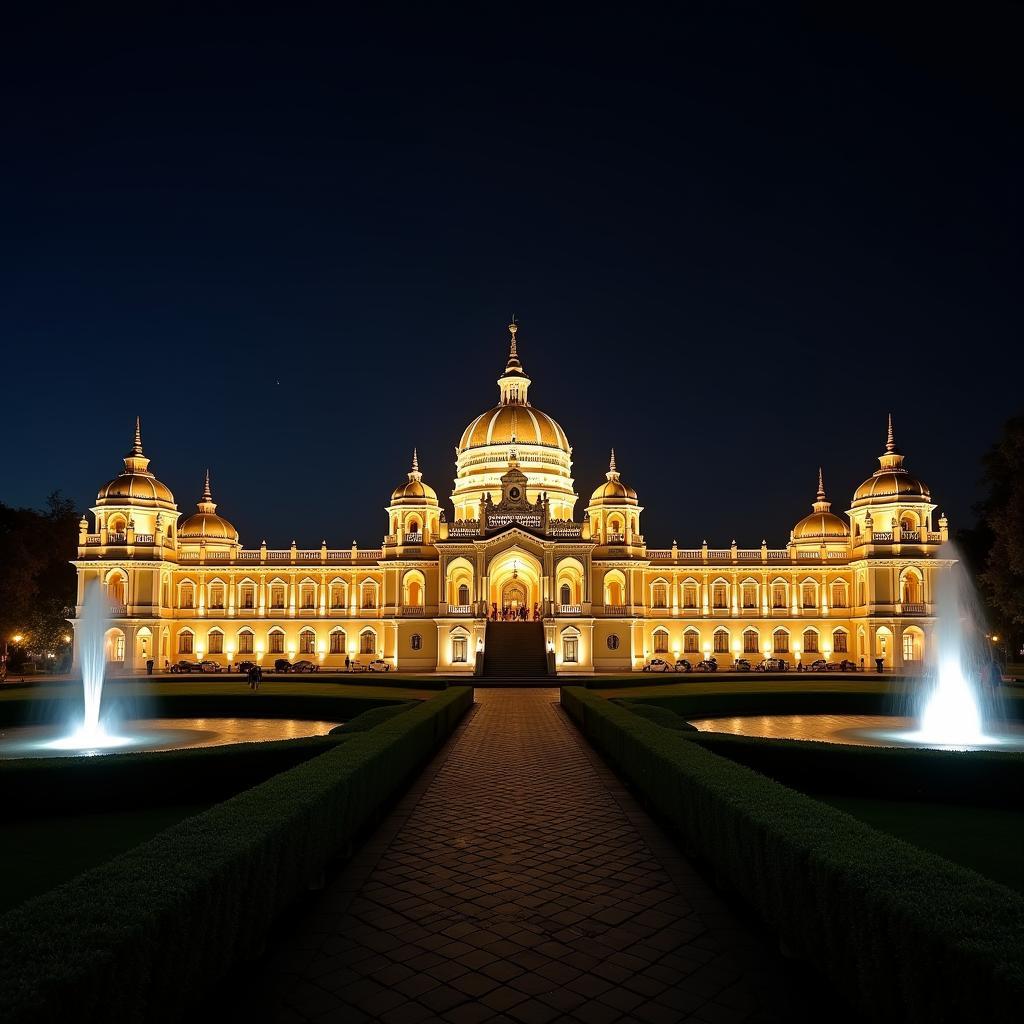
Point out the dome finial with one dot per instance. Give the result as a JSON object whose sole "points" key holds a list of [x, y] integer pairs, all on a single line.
{"points": [[207, 496], [206, 503], [890, 443], [415, 461], [611, 463], [512, 328], [821, 485], [137, 447]]}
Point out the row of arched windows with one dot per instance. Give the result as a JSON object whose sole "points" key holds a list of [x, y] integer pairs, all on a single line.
{"points": [[749, 641], [246, 642]]}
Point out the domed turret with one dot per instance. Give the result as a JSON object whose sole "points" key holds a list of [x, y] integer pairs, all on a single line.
{"points": [[822, 524], [136, 486], [890, 482], [414, 491], [515, 424], [613, 491], [205, 524]]}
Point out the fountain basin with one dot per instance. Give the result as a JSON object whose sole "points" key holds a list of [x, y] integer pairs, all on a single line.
{"points": [[858, 730], [154, 734]]}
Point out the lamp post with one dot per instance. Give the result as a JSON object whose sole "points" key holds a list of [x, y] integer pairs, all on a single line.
{"points": [[735, 652], [796, 651]]}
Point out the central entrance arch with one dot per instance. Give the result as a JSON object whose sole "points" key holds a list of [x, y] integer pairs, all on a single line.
{"points": [[515, 580], [513, 596]]}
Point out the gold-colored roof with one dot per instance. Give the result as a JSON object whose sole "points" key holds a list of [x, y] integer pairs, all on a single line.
{"points": [[414, 490], [890, 481], [514, 424], [613, 490], [205, 524], [822, 523], [136, 485]]}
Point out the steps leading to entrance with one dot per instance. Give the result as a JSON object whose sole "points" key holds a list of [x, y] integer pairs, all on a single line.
{"points": [[515, 649]]}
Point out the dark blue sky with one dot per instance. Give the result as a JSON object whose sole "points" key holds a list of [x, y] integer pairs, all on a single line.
{"points": [[292, 242]]}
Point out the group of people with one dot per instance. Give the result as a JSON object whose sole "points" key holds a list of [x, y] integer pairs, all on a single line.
{"points": [[509, 613], [255, 676]]}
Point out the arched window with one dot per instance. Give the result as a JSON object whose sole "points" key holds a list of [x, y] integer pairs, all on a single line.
{"points": [[338, 595], [307, 596], [750, 641], [839, 594], [463, 595], [277, 593], [215, 642], [565, 594], [187, 596], [247, 596], [720, 594], [369, 594], [910, 586], [811, 641], [368, 642], [186, 642], [217, 595], [245, 641], [781, 641], [661, 641], [307, 642], [691, 641], [809, 592], [779, 594], [338, 641], [749, 595], [840, 641], [690, 594], [275, 641], [659, 596], [721, 639]]}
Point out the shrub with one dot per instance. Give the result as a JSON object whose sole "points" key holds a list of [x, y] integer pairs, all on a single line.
{"points": [[906, 934], [371, 719], [144, 935]]}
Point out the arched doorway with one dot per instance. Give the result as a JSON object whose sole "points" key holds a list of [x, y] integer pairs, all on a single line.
{"points": [[514, 596]]}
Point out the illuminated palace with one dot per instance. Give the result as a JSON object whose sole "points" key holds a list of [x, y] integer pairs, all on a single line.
{"points": [[185, 587]]}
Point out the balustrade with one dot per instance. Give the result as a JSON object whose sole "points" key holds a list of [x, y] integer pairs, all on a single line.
{"points": [[117, 538], [568, 609], [616, 538], [617, 609], [659, 553], [412, 538], [143, 538], [460, 609], [914, 608], [115, 610]]}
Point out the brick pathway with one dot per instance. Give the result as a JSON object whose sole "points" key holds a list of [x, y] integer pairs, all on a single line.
{"points": [[516, 882]]}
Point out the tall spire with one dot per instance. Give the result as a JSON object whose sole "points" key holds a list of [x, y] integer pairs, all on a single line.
{"points": [[890, 443], [137, 447], [135, 461], [206, 503], [415, 476], [821, 485], [613, 473], [891, 460], [821, 504]]}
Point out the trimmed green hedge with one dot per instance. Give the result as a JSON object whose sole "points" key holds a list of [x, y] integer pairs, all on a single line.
{"points": [[142, 937], [371, 719], [904, 933]]}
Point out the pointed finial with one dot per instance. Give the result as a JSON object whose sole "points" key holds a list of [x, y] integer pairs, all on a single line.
{"points": [[207, 496], [137, 447], [821, 485], [890, 444], [611, 463], [415, 461], [512, 328]]}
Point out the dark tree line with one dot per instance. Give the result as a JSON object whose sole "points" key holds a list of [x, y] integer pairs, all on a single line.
{"points": [[994, 548], [37, 580]]}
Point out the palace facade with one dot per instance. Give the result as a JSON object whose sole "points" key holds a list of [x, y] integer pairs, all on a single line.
{"points": [[185, 587]]}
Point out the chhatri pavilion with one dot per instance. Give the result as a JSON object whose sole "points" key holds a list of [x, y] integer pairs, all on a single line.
{"points": [[183, 586]]}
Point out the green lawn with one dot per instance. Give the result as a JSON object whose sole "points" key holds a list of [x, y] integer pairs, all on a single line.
{"points": [[39, 854], [988, 839]]}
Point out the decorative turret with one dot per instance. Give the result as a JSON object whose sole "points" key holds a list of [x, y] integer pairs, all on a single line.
{"points": [[204, 526], [822, 524], [614, 509], [513, 383], [413, 514], [136, 486]]}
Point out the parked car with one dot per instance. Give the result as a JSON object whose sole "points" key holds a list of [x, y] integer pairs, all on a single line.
{"points": [[186, 666], [708, 665], [282, 665], [379, 665], [773, 665], [843, 666], [244, 666], [207, 666], [682, 665], [818, 665], [305, 666], [741, 665], [356, 666], [658, 665]]}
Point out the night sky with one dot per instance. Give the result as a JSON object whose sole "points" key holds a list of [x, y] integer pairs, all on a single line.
{"points": [[292, 243]]}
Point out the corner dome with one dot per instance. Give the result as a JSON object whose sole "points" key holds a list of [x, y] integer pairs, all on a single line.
{"points": [[822, 523], [136, 485], [891, 481], [613, 491], [205, 524], [414, 490]]}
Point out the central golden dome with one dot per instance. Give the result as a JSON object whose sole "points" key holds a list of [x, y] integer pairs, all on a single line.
{"points": [[204, 524], [514, 429]]}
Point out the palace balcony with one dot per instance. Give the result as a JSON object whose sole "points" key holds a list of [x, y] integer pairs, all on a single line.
{"points": [[568, 609]]}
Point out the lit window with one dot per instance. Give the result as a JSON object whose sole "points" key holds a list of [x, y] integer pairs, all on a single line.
{"points": [[839, 595], [690, 642], [337, 642], [276, 643], [721, 642], [781, 639], [839, 641], [778, 595], [248, 597], [810, 641], [245, 643], [660, 599], [307, 641], [216, 641], [689, 595], [307, 597], [661, 642], [277, 597], [367, 643], [810, 595], [217, 595], [185, 643], [188, 597], [720, 596], [908, 647], [369, 596], [570, 648], [750, 642], [459, 649], [119, 647], [749, 595]]}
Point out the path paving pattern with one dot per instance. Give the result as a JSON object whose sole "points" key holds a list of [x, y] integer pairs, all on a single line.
{"points": [[518, 882]]}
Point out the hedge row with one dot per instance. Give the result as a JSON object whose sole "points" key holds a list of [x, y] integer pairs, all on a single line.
{"points": [[143, 936], [904, 933]]}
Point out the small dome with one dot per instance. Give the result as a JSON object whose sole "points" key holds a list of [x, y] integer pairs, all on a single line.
{"points": [[514, 424], [891, 481], [613, 490], [414, 491], [136, 485], [205, 524], [822, 523]]}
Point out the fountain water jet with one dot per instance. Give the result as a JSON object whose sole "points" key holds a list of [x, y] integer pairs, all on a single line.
{"points": [[90, 635]]}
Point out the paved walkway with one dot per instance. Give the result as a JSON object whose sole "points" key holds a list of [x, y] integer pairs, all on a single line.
{"points": [[517, 881]]}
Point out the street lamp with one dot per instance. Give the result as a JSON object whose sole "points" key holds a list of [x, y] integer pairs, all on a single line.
{"points": [[796, 651]]}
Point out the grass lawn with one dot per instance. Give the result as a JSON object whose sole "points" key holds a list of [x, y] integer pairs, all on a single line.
{"points": [[760, 684], [39, 854], [990, 840]]}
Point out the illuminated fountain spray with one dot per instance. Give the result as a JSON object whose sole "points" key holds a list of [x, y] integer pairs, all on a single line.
{"points": [[90, 635], [955, 703]]}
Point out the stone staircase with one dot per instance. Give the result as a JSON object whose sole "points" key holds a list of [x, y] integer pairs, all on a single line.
{"points": [[515, 649]]}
